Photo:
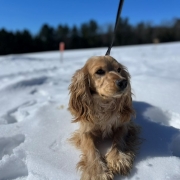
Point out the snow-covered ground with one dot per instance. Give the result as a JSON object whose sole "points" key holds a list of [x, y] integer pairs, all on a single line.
{"points": [[35, 123]]}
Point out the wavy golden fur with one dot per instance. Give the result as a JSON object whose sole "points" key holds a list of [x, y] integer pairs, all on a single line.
{"points": [[100, 100]]}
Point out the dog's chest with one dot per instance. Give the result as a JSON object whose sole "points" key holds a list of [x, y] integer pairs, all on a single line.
{"points": [[107, 123], [106, 117], [109, 126]]}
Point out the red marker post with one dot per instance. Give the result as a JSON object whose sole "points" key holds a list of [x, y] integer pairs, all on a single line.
{"points": [[61, 49]]}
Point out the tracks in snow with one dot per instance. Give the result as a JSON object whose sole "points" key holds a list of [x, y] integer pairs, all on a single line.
{"points": [[17, 114], [12, 162]]}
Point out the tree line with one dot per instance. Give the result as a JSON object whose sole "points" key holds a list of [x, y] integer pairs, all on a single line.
{"points": [[88, 35]]}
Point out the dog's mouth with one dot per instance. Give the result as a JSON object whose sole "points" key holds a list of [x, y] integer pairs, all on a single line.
{"points": [[96, 93], [111, 93], [103, 96], [117, 94]]}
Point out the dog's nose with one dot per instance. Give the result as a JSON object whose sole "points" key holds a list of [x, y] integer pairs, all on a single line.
{"points": [[122, 84]]}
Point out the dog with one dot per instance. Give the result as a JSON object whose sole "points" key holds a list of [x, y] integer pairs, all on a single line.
{"points": [[100, 100]]}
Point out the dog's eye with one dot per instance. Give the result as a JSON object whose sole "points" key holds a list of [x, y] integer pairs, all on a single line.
{"points": [[100, 72], [119, 70]]}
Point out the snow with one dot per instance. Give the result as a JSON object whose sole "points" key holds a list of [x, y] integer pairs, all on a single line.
{"points": [[35, 122]]}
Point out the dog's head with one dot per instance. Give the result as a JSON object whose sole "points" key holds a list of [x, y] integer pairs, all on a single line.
{"points": [[102, 76], [107, 77]]}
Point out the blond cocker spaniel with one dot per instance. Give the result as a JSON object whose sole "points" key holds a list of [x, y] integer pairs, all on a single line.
{"points": [[100, 100]]}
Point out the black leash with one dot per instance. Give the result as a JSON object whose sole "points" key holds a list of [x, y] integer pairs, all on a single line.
{"points": [[115, 27]]}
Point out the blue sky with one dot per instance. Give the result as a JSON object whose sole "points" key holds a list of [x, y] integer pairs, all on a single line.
{"points": [[31, 14]]}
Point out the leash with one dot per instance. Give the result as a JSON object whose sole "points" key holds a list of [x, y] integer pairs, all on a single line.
{"points": [[115, 27]]}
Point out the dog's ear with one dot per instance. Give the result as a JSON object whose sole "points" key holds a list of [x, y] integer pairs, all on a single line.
{"points": [[80, 103], [126, 107]]}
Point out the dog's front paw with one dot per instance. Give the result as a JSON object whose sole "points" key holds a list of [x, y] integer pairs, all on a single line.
{"points": [[119, 162], [96, 171]]}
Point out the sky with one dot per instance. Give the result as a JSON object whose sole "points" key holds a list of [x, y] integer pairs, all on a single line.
{"points": [[32, 14]]}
